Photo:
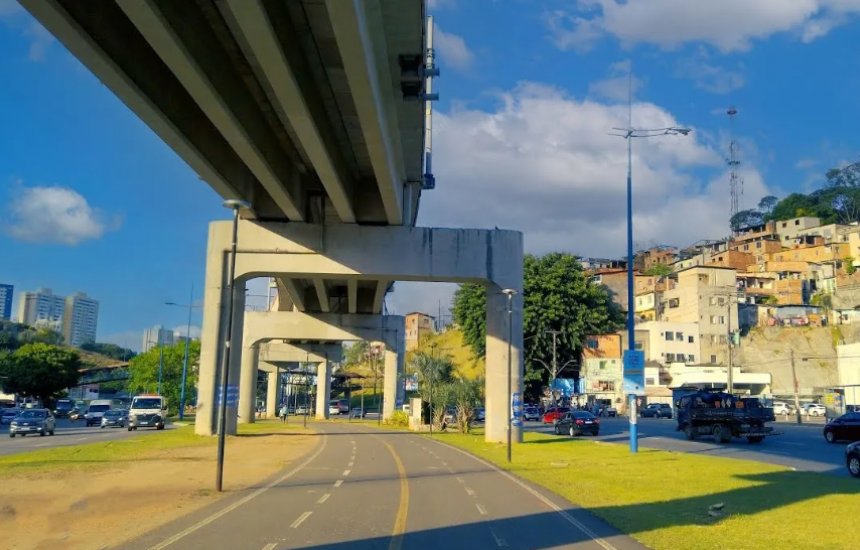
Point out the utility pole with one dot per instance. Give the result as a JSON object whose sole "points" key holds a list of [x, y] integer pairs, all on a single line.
{"points": [[731, 344], [796, 392], [554, 372]]}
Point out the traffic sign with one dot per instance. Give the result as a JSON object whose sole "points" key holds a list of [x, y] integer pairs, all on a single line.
{"points": [[232, 395], [516, 409], [634, 372]]}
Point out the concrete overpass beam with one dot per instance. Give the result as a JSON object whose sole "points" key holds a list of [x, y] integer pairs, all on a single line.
{"points": [[322, 295], [352, 295]]}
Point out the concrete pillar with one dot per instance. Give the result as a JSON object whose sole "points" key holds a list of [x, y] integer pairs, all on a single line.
{"points": [[323, 389], [213, 335], [273, 387], [248, 384], [389, 384], [498, 399]]}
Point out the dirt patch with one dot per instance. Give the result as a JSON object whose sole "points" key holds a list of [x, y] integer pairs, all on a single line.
{"points": [[94, 509]]}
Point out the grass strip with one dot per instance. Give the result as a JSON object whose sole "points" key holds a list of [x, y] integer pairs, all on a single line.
{"points": [[664, 498]]}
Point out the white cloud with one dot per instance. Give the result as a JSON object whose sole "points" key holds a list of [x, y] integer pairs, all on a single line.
{"points": [[729, 25], [452, 50], [182, 330], [709, 77], [543, 163], [40, 39], [54, 215], [616, 86]]}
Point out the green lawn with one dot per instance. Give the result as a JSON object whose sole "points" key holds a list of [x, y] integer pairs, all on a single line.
{"points": [[663, 498], [130, 449]]}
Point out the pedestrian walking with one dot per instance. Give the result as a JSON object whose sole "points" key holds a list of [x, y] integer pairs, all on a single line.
{"points": [[283, 412]]}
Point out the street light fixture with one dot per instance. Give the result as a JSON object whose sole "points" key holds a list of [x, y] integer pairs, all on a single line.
{"points": [[629, 133], [235, 205], [509, 292], [190, 306]]}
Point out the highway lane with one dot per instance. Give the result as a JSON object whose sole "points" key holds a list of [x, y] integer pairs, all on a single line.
{"points": [[66, 433], [362, 488], [801, 447]]}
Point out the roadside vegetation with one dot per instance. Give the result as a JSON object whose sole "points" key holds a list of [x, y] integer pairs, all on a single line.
{"points": [[673, 500]]}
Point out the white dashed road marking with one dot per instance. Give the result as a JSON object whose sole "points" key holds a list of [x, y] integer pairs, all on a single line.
{"points": [[346, 473], [481, 509], [300, 520], [271, 546], [470, 492], [500, 542], [338, 483], [323, 498]]}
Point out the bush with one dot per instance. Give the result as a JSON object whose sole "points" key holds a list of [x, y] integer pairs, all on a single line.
{"points": [[398, 418]]}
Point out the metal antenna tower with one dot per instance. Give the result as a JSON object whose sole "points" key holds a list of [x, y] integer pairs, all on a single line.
{"points": [[736, 184]]}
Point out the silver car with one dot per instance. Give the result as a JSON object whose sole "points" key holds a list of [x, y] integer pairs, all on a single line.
{"points": [[32, 421]]}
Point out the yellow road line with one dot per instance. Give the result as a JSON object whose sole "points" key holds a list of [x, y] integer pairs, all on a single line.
{"points": [[403, 507]]}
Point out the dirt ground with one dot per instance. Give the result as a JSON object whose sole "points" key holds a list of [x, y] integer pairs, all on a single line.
{"points": [[91, 509]]}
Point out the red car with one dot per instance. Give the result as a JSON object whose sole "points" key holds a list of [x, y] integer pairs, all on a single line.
{"points": [[554, 413]]}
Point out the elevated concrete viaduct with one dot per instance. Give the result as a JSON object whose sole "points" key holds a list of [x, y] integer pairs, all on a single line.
{"points": [[313, 113]]}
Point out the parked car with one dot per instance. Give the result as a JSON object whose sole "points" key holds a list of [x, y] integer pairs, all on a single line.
{"points": [[852, 458], [845, 427], [781, 407], [357, 413], [302, 409], [480, 414], [116, 418], [7, 415], [554, 413], [32, 421], [577, 423], [813, 409], [531, 414], [333, 410], [656, 410]]}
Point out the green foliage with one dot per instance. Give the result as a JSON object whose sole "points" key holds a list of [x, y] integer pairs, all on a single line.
{"points": [[837, 202], [467, 394], [355, 354], [766, 204], [143, 373], [39, 370], [849, 265], [109, 350], [15, 335], [658, 270], [432, 372], [557, 295], [746, 218], [398, 418]]}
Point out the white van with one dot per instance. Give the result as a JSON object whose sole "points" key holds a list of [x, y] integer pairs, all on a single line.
{"points": [[147, 411]]}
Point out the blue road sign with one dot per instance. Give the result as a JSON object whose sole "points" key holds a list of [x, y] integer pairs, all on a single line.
{"points": [[516, 409], [232, 395], [634, 372]]}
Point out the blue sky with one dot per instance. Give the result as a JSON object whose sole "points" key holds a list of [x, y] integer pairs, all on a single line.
{"points": [[92, 200]]}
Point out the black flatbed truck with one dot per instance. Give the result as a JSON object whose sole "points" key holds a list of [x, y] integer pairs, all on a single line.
{"points": [[722, 415]]}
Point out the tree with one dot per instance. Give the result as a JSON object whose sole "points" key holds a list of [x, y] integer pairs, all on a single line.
{"points": [[845, 177], [143, 373], [38, 370], [434, 377], [766, 204], [746, 218], [467, 394], [557, 295], [658, 270]]}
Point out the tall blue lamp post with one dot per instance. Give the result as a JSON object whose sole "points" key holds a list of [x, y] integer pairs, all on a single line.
{"points": [[629, 133]]}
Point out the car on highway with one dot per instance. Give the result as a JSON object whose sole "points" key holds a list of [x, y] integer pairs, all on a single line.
{"points": [[852, 458], [115, 418], [333, 410], [303, 409], [357, 413], [94, 414], [75, 414], [656, 410], [554, 413], [480, 414], [531, 414], [7, 415], [813, 409], [63, 407], [845, 427], [32, 421], [577, 423]]}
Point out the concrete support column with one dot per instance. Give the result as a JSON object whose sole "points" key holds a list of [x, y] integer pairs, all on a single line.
{"points": [[213, 335], [498, 398], [393, 362], [323, 389], [273, 385], [248, 385]]}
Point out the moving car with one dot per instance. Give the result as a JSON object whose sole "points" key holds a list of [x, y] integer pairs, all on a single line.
{"points": [[577, 423], [852, 458], [147, 410], [31, 421], [7, 415], [554, 413], [846, 426], [813, 409], [357, 413], [63, 407], [94, 414], [115, 418], [656, 410], [531, 414]]}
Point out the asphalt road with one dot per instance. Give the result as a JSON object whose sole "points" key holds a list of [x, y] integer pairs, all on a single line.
{"points": [[801, 447], [361, 488], [66, 433]]}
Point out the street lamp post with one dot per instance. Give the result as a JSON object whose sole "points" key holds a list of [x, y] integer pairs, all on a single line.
{"points": [[234, 205], [160, 359], [509, 292], [185, 354], [629, 133]]}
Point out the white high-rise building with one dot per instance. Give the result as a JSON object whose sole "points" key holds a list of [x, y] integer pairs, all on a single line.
{"points": [[80, 319], [156, 335], [41, 309]]}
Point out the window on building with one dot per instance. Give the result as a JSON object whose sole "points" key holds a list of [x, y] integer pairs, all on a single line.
{"points": [[691, 358], [639, 345], [796, 222], [746, 247], [670, 357], [674, 302], [669, 337], [690, 339], [785, 224], [722, 338], [650, 381], [713, 359], [606, 385], [591, 343], [679, 336], [722, 320], [602, 365]]}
